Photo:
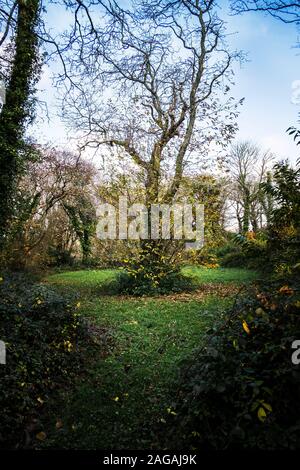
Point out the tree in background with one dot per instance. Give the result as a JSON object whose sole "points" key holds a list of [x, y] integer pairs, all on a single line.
{"points": [[211, 191], [53, 181], [82, 215], [248, 169]]}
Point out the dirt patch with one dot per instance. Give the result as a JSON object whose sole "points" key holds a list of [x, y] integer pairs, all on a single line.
{"points": [[205, 290]]}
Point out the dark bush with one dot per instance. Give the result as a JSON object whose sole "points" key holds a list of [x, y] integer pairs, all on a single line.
{"points": [[242, 389], [60, 257], [42, 332], [171, 283], [250, 254], [236, 259]]}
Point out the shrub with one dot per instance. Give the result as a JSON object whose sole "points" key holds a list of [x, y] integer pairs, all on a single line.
{"points": [[241, 389], [235, 259], [249, 253], [138, 286], [153, 270], [42, 333], [225, 250]]}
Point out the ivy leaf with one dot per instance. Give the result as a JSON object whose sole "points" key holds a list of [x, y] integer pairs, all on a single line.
{"points": [[261, 414]]}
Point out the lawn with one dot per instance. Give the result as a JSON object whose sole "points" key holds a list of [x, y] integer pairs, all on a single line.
{"points": [[89, 282], [132, 388]]}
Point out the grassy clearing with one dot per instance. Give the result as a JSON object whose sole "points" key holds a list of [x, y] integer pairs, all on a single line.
{"points": [[85, 282], [93, 282], [115, 405]]}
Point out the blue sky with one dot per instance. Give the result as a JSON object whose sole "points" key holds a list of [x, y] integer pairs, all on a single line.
{"points": [[265, 81]]}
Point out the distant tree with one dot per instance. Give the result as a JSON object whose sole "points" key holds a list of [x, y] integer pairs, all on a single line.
{"points": [[54, 180], [211, 191], [82, 216], [248, 167]]}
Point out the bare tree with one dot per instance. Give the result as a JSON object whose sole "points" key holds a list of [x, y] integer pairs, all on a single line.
{"points": [[149, 81], [248, 169]]}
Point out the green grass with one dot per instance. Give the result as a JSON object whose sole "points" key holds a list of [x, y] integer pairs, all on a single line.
{"points": [[86, 282], [220, 275], [116, 404]]}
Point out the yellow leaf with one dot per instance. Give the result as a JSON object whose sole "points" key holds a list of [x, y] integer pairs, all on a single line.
{"points": [[246, 327], [261, 413], [41, 436], [116, 399], [40, 400]]}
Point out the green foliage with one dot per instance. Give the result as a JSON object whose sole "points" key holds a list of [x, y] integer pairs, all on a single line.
{"points": [[293, 131], [285, 189], [241, 389], [42, 332], [248, 253], [283, 248]]}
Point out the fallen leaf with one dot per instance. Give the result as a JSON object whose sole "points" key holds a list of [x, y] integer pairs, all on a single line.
{"points": [[59, 424], [246, 327]]}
